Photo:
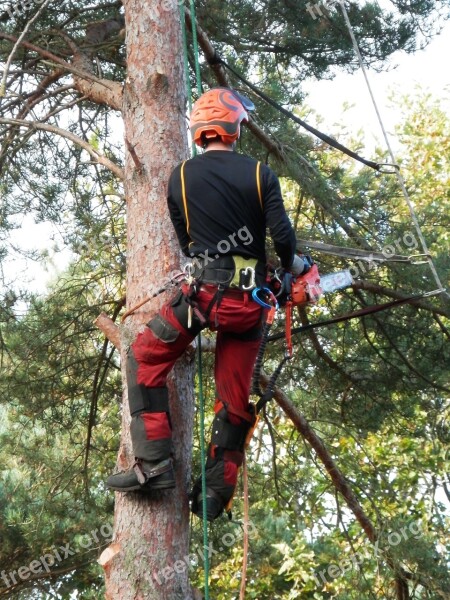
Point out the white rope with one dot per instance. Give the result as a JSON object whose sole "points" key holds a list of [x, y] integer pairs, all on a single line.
{"points": [[400, 178]]}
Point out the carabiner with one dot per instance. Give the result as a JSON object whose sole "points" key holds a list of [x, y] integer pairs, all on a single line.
{"points": [[266, 290], [189, 270], [252, 284]]}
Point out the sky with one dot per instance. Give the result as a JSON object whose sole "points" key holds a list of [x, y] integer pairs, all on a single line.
{"points": [[427, 68], [34, 275]]}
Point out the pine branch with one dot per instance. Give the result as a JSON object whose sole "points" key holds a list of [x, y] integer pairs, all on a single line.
{"points": [[6, 592], [18, 42], [109, 329], [103, 364], [98, 158], [103, 91], [379, 289], [340, 482], [321, 352]]}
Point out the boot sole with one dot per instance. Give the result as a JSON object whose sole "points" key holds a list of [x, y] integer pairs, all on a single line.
{"points": [[157, 486], [144, 488], [147, 487]]}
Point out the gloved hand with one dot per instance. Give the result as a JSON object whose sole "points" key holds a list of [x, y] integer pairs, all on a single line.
{"points": [[301, 264]]}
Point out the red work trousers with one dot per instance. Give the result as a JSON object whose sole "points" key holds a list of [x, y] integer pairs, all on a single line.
{"points": [[237, 320]]}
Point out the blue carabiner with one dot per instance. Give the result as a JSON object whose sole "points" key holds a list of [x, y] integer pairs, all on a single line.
{"points": [[257, 299]]}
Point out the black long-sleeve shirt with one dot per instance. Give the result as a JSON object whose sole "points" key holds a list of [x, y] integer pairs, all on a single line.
{"points": [[222, 212]]}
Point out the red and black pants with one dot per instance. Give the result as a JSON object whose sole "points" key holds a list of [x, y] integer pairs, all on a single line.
{"points": [[237, 320]]}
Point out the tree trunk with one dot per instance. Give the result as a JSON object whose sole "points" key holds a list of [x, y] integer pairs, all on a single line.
{"points": [[151, 533]]}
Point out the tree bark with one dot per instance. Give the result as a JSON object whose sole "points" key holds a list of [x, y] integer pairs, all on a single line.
{"points": [[151, 532]]}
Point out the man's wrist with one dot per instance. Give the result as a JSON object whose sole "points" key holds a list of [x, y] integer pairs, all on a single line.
{"points": [[298, 266], [301, 264]]}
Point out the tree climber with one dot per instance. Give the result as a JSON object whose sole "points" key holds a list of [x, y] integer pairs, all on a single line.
{"points": [[220, 203]]}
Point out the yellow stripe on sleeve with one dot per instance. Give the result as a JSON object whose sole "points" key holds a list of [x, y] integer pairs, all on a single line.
{"points": [[183, 192], [258, 183]]}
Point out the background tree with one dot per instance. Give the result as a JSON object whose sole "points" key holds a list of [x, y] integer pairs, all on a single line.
{"points": [[387, 396]]}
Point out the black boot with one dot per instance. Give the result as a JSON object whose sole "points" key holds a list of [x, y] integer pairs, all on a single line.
{"points": [[145, 476], [214, 503], [227, 445], [218, 493]]}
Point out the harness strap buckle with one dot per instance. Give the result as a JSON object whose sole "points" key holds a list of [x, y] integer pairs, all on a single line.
{"points": [[144, 472]]}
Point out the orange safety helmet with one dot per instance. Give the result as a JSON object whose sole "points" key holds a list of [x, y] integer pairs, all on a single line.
{"points": [[219, 112]]}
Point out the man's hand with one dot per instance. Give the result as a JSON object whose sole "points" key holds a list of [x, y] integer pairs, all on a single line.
{"points": [[301, 264]]}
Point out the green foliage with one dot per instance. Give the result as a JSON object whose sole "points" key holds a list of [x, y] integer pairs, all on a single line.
{"points": [[375, 390], [60, 384]]}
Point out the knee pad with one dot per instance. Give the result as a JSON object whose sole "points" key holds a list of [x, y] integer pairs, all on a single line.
{"points": [[228, 436], [163, 330], [140, 397], [180, 308]]}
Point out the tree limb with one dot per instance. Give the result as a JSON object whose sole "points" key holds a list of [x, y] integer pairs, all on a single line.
{"points": [[109, 329], [337, 477], [99, 158], [82, 60], [19, 40], [399, 353], [378, 289], [46, 575], [340, 482], [103, 365], [320, 351], [112, 90]]}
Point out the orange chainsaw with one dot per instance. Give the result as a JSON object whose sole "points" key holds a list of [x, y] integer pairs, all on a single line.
{"points": [[287, 290], [308, 287]]}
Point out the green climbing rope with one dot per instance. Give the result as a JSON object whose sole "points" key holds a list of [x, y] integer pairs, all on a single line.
{"points": [[203, 459], [185, 56], [198, 77], [199, 346]]}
